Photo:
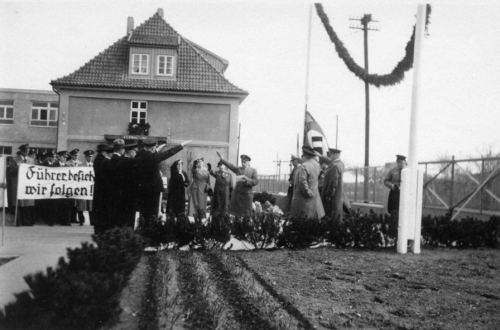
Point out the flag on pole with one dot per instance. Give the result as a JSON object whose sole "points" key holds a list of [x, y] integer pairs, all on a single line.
{"points": [[314, 136]]}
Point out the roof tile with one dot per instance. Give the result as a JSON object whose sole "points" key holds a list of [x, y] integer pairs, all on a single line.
{"points": [[110, 67]]}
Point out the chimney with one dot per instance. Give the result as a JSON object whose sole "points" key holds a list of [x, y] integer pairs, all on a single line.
{"points": [[160, 12], [130, 25]]}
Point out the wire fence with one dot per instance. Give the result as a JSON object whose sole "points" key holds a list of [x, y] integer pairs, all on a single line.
{"points": [[448, 184]]}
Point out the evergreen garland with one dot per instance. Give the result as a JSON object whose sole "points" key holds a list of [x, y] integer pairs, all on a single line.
{"points": [[397, 74]]}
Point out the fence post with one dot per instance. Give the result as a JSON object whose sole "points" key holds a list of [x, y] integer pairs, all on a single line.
{"points": [[356, 187], [374, 185], [452, 183], [481, 192]]}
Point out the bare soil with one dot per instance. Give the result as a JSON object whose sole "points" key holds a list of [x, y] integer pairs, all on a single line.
{"points": [[324, 288]]}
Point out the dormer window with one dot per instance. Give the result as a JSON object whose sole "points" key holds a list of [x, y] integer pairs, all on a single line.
{"points": [[140, 64], [165, 65]]}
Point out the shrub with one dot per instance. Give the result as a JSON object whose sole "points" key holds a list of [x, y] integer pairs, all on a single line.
{"points": [[260, 229], [263, 197], [301, 232], [213, 234], [81, 293]]}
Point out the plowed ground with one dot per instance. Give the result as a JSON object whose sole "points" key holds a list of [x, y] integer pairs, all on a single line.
{"points": [[314, 289]]}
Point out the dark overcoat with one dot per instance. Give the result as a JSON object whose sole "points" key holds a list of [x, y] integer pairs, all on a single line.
{"points": [[127, 187], [102, 189], [150, 184], [176, 199], [223, 186], [332, 193]]}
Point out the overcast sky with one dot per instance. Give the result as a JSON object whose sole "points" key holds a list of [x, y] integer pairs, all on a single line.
{"points": [[266, 46]]}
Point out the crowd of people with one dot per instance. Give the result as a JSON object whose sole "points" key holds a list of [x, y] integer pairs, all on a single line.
{"points": [[128, 181]]}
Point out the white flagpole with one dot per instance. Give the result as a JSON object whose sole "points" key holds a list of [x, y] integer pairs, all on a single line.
{"points": [[410, 207]]}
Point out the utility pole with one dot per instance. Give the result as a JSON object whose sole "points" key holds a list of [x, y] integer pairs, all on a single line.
{"points": [[367, 18]]}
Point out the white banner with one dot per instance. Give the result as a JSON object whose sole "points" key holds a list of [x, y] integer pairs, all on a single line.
{"points": [[40, 182]]}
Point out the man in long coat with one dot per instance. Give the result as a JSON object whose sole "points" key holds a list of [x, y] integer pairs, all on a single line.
{"points": [[101, 188], [332, 193], [127, 174], [393, 182], [242, 198], [306, 199], [26, 212], [150, 184], [286, 202]]}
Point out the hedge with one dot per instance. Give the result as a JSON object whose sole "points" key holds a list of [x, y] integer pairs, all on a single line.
{"points": [[264, 230], [81, 293]]}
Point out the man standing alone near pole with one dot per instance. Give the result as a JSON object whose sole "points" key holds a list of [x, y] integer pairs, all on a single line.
{"points": [[393, 182], [332, 193], [150, 184]]}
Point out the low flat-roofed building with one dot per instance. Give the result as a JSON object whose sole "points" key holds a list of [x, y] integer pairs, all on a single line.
{"points": [[28, 116]]}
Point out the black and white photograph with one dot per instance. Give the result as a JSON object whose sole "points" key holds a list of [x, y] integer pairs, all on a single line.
{"points": [[249, 164]]}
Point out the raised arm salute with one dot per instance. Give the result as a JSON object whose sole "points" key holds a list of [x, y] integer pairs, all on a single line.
{"points": [[150, 184], [242, 198]]}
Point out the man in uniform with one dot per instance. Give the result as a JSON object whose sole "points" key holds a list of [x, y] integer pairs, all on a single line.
{"points": [[246, 178], [127, 175], [114, 197], [285, 203], [83, 204], [74, 162], [62, 206], [306, 199], [48, 206], [332, 192], [393, 182], [150, 184], [25, 208], [101, 188]]}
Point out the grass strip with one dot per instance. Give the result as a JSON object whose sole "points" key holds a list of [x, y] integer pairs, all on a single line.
{"points": [[245, 312], [148, 316], [287, 305]]}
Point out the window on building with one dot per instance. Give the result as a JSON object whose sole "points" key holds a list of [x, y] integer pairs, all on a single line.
{"points": [[5, 150], [7, 112], [40, 150], [44, 114], [140, 63], [138, 112], [165, 65]]}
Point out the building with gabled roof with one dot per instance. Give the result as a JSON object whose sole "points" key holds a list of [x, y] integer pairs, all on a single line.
{"points": [[152, 76]]}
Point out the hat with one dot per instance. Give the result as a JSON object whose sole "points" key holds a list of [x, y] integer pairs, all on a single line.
{"points": [[149, 142], [220, 163], [200, 158], [24, 147], [62, 153], [399, 157], [88, 152], [109, 148], [49, 154], [308, 150], [332, 151], [245, 157], [102, 147], [130, 146], [295, 158], [118, 143], [74, 152]]}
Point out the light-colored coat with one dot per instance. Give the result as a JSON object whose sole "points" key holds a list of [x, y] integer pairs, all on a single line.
{"points": [[242, 198], [306, 199], [332, 193]]}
